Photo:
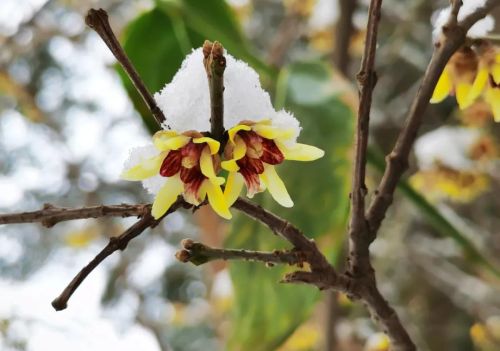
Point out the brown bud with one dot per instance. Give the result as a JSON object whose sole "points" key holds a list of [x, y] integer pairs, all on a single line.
{"points": [[183, 256], [187, 244]]}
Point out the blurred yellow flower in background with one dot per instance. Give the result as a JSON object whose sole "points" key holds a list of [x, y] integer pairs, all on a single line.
{"points": [[457, 78], [444, 182]]}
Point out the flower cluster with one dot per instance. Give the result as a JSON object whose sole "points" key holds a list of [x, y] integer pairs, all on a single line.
{"points": [[455, 163], [188, 163], [473, 72]]}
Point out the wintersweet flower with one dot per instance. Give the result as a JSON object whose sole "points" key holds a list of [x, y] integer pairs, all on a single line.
{"points": [[487, 82], [184, 164], [457, 78], [252, 151]]}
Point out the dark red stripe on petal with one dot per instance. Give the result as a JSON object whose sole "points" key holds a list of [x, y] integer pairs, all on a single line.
{"points": [[192, 150], [250, 137], [192, 186], [171, 164], [252, 165], [188, 175], [252, 181], [271, 154]]}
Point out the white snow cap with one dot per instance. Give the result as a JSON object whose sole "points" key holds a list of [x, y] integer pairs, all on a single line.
{"points": [[186, 100], [448, 145], [479, 29]]}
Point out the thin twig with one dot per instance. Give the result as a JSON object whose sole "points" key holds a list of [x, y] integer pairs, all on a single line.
{"points": [[215, 64], [98, 21], [50, 215], [198, 253], [115, 244]]}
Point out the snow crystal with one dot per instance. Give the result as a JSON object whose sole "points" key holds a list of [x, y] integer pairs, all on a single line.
{"points": [[479, 29], [186, 100], [448, 145]]}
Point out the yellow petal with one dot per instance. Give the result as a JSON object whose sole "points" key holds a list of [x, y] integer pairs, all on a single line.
{"points": [[240, 148], [206, 163], [207, 167], [300, 152], [230, 165], [166, 196], [216, 199], [492, 96], [478, 85], [235, 182], [495, 72], [462, 93], [146, 169], [443, 87], [276, 186], [169, 140], [212, 143], [270, 132], [232, 131]]}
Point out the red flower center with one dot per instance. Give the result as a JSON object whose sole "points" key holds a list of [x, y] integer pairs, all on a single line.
{"points": [[186, 160], [259, 151]]}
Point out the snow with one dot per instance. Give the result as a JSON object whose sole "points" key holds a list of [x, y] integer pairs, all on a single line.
{"points": [[448, 145], [480, 29], [186, 100]]}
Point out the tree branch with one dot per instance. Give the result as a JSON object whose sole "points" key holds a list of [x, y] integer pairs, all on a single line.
{"points": [[50, 215], [215, 64], [359, 265], [198, 254], [397, 161], [322, 270], [115, 244], [359, 255], [98, 21]]}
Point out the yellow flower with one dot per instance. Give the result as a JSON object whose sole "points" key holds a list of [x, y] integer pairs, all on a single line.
{"points": [[189, 162], [447, 183], [377, 342], [252, 151], [458, 78], [487, 82]]}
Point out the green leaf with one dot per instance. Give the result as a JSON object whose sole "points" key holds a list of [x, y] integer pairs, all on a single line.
{"points": [[155, 50], [266, 313], [215, 20], [435, 217]]}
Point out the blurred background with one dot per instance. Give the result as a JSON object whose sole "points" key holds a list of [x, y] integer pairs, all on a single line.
{"points": [[68, 117]]}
